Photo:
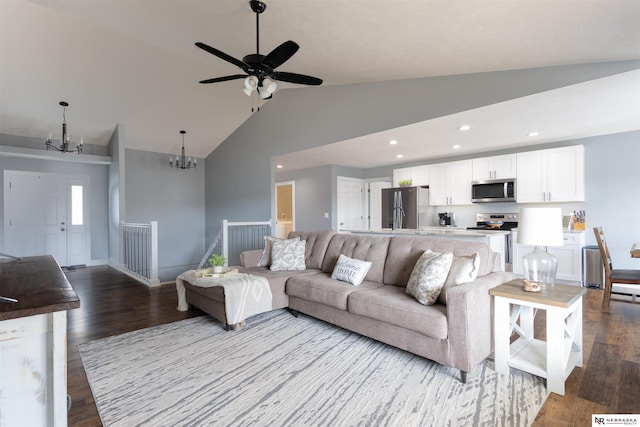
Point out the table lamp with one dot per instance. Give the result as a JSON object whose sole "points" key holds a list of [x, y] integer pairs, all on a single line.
{"points": [[540, 227]]}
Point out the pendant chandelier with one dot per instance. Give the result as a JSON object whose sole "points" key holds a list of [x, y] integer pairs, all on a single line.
{"points": [[182, 162], [66, 139]]}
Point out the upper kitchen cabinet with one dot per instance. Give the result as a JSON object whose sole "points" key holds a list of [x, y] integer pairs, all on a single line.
{"points": [[419, 175], [450, 183], [496, 167], [554, 175]]}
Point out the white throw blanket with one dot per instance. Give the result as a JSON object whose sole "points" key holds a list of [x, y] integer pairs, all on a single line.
{"points": [[245, 294]]}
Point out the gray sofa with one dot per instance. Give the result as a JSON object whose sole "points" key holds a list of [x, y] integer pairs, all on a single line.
{"points": [[457, 334]]}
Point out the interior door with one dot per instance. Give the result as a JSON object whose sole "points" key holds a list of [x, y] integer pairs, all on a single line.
{"points": [[375, 203], [350, 204]]}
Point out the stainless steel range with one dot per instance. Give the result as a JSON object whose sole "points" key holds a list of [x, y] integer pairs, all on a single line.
{"points": [[498, 221]]}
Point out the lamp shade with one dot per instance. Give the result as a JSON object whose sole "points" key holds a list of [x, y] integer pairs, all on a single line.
{"points": [[540, 227]]}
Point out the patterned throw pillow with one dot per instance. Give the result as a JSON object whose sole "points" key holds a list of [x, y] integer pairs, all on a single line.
{"points": [[463, 269], [350, 270], [265, 260], [428, 276], [288, 255]]}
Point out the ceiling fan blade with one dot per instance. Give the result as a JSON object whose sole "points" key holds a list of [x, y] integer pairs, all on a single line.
{"points": [[281, 54], [222, 55], [296, 78], [224, 79]]}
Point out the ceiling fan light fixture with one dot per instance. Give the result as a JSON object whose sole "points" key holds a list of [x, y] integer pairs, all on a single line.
{"points": [[260, 70], [269, 85], [250, 84]]}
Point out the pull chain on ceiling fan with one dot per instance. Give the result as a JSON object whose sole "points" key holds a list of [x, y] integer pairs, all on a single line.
{"points": [[260, 74]]}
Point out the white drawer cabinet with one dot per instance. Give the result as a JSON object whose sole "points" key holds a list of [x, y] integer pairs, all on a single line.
{"points": [[569, 256]]}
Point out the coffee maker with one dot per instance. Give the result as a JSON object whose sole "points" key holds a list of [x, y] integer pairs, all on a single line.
{"points": [[447, 219]]}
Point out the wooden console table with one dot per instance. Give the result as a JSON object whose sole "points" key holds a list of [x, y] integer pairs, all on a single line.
{"points": [[33, 341], [562, 351]]}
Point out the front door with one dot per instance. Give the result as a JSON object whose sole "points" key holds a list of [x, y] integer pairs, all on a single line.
{"points": [[38, 216]]}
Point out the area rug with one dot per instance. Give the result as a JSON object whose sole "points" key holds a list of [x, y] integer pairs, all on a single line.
{"points": [[282, 370]]}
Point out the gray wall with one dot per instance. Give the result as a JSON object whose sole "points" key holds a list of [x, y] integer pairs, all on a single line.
{"points": [[174, 198], [303, 118], [137, 186], [98, 191], [116, 192], [313, 191]]}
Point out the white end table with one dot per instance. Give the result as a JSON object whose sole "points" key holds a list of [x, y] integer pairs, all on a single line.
{"points": [[553, 359]]}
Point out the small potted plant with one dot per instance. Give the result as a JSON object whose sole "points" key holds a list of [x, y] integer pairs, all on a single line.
{"points": [[217, 262], [405, 183]]}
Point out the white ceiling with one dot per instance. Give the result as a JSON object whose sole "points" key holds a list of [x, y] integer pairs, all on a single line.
{"points": [[599, 107], [134, 62]]}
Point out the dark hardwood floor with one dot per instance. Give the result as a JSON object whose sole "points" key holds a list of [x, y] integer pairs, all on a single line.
{"points": [[112, 304]]}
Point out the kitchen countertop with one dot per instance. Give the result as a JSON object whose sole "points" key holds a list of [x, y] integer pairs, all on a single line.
{"points": [[435, 231], [39, 286]]}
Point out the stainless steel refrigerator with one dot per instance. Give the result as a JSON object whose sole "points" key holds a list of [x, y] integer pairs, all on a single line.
{"points": [[406, 207]]}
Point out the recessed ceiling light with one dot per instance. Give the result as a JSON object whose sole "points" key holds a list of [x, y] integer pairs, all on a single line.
{"points": [[533, 134], [393, 142], [455, 147], [279, 166], [464, 128], [399, 156]]}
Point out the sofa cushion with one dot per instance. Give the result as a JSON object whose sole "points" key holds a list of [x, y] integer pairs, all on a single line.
{"points": [[350, 270], [404, 252], [277, 280], [463, 269], [428, 276], [288, 255], [321, 288], [317, 242], [391, 304], [366, 248]]}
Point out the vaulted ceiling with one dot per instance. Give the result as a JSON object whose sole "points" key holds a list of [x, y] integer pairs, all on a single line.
{"points": [[134, 61]]}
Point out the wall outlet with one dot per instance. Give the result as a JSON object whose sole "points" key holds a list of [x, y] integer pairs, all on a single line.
{"points": [[326, 215]]}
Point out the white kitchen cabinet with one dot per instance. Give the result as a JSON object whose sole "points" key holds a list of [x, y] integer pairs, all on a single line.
{"points": [[569, 256], [496, 167], [401, 174], [554, 175], [419, 175], [450, 183]]}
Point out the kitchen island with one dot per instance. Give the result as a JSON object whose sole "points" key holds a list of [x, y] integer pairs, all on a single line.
{"points": [[495, 239], [33, 341]]}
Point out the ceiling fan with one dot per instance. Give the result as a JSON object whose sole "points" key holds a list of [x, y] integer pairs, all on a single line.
{"points": [[259, 69]]}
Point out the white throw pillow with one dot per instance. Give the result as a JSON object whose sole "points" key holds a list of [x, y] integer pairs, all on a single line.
{"points": [[265, 260], [428, 276], [350, 270], [463, 269], [288, 255]]}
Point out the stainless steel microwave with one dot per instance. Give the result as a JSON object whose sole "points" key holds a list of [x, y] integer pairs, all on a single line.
{"points": [[494, 190]]}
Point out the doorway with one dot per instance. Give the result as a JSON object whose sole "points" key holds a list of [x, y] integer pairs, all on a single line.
{"points": [[47, 214], [285, 208], [359, 203]]}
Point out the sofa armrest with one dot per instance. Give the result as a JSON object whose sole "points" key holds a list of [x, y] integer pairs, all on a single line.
{"points": [[470, 319], [250, 258]]}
